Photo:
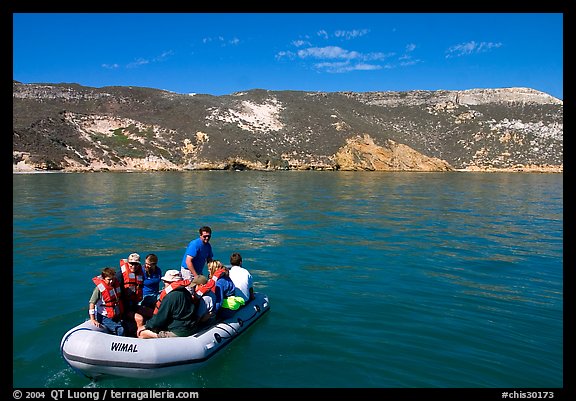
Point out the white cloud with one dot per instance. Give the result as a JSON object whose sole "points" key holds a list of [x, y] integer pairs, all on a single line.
{"points": [[343, 34], [336, 59], [355, 33], [336, 52], [464, 49], [376, 56], [287, 54], [406, 62], [328, 52], [367, 67], [300, 43], [141, 61], [163, 56], [345, 66], [328, 65], [138, 63], [406, 59], [221, 40]]}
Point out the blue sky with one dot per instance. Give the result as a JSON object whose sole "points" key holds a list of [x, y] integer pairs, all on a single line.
{"points": [[223, 53]]}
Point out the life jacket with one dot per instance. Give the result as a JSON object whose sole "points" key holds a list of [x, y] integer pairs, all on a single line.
{"points": [[209, 286], [133, 282], [169, 288], [110, 296], [219, 273]]}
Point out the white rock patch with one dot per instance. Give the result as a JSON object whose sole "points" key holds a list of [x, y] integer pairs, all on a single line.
{"points": [[252, 117]]}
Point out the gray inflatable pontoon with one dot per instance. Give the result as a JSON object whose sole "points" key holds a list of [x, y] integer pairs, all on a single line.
{"points": [[94, 353]]}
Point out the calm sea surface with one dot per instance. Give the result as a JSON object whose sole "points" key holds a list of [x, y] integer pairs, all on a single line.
{"points": [[390, 280]]}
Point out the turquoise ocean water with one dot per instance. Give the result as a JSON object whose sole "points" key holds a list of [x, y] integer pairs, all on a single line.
{"points": [[375, 280]]}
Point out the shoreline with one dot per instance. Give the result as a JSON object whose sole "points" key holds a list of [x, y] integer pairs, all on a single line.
{"points": [[531, 170]]}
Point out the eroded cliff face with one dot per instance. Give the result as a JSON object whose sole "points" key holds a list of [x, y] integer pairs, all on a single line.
{"points": [[361, 153], [74, 128]]}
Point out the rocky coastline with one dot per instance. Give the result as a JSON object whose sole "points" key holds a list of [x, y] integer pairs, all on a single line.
{"points": [[71, 128]]}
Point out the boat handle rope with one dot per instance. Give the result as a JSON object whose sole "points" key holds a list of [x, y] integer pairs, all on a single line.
{"points": [[223, 329]]}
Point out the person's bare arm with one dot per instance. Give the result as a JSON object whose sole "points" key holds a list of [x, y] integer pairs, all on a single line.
{"points": [[92, 314], [191, 266]]}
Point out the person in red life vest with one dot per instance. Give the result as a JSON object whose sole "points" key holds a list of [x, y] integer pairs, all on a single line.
{"points": [[222, 289], [131, 279], [105, 305], [174, 312], [203, 299]]}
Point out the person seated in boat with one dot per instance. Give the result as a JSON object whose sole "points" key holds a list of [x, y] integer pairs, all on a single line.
{"points": [[174, 312], [105, 305], [213, 292], [204, 299], [151, 285], [223, 289], [241, 278], [131, 279], [203, 306]]}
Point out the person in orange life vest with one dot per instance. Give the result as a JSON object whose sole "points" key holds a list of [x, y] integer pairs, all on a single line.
{"points": [[203, 298], [131, 279], [105, 305], [174, 312], [199, 280], [223, 288], [197, 254], [206, 292]]}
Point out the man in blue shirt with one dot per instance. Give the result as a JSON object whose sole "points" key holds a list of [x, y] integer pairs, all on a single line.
{"points": [[198, 253]]}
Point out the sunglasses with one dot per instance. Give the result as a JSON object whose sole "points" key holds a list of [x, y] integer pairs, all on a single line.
{"points": [[206, 236]]}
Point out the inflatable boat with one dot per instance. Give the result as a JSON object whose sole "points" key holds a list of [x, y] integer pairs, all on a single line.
{"points": [[94, 353]]}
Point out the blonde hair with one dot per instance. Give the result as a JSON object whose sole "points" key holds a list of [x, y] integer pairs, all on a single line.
{"points": [[213, 266]]}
